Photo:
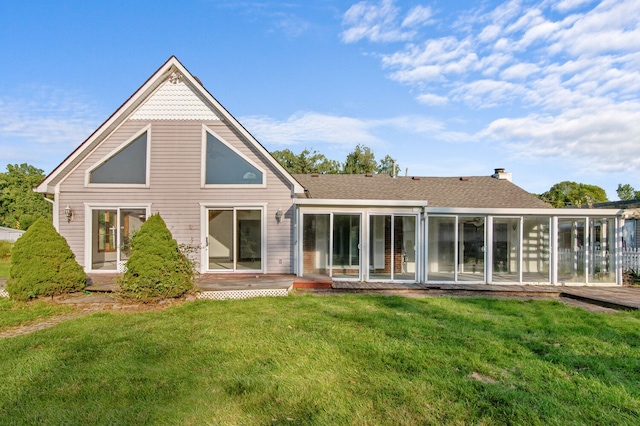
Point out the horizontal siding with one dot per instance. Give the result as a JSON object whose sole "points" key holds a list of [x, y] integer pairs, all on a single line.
{"points": [[175, 191]]}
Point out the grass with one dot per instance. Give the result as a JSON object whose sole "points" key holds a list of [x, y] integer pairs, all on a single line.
{"points": [[360, 360], [4, 268], [13, 314]]}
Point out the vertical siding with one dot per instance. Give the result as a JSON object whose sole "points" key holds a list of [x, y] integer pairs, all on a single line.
{"points": [[174, 188]]}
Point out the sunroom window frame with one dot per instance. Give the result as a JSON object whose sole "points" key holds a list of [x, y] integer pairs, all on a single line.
{"points": [[203, 165]]}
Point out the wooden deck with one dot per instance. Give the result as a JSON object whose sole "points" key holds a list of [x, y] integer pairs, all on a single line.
{"points": [[217, 286]]}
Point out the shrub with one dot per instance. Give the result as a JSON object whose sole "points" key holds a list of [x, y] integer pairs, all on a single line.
{"points": [[156, 269], [5, 250], [42, 264]]}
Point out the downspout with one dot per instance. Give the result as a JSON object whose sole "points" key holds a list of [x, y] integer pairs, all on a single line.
{"points": [[53, 211]]}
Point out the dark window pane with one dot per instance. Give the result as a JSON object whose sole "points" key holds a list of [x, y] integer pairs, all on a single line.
{"points": [[129, 166], [224, 166]]}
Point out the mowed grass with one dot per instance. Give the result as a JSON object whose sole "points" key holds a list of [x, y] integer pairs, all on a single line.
{"points": [[4, 268], [363, 360], [13, 314]]}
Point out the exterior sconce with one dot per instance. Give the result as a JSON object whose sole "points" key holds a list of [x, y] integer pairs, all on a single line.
{"points": [[68, 213], [279, 215]]}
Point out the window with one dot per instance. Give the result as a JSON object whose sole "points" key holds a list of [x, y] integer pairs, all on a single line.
{"points": [[127, 166], [225, 166]]}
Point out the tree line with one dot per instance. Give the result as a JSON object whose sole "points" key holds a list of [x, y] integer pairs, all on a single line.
{"points": [[361, 160]]}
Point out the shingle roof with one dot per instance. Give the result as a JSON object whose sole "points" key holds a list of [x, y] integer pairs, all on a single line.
{"points": [[469, 192]]}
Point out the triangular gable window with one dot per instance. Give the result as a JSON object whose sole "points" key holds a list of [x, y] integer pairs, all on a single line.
{"points": [[224, 166], [127, 166]]}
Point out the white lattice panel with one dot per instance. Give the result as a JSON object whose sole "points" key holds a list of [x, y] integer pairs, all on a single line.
{"points": [[243, 294], [3, 293]]}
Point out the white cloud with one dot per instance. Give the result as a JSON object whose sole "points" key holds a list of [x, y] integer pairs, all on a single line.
{"points": [[309, 128], [419, 15], [560, 78], [52, 118], [432, 99], [587, 138], [382, 22]]}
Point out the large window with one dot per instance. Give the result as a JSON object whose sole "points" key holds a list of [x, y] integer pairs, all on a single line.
{"points": [[225, 166], [127, 166]]}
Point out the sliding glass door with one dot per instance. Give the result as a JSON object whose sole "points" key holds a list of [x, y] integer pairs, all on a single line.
{"points": [[234, 239], [392, 247], [111, 233]]}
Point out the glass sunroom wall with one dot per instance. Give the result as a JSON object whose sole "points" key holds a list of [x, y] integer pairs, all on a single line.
{"points": [[506, 248], [442, 248], [315, 240], [471, 248], [346, 246], [404, 247], [571, 250], [380, 252], [602, 251], [536, 243]]}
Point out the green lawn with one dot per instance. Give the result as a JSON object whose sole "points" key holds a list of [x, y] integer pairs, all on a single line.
{"points": [[363, 360], [14, 313], [4, 269]]}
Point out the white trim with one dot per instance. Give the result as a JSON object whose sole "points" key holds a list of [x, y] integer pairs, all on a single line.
{"points": [[87, 174], [359, 203], [203, 164], [88, 217]]}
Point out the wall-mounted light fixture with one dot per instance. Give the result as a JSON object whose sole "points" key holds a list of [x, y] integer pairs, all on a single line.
{"points": [[68, 213], [279, 215]]}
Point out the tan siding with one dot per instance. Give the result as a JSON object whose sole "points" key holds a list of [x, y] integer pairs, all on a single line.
{"points": [[175, 192]]}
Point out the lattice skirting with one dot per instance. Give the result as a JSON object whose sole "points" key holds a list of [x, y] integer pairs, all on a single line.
{"points": [[3, 293], [243, 294]]}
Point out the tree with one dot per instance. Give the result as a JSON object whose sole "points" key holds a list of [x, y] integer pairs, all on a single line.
{"points": [[568, 193], [386, 166], [156, 269], [20, 207], [306, 162], [42, 264], [361, 160], [627, 192]]}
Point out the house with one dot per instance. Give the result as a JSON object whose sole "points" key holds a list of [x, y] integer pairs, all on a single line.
{"points": [[10, 234], [173, 148]]}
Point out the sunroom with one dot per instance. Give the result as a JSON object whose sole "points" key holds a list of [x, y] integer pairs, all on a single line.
{"points": [[410, 242]]}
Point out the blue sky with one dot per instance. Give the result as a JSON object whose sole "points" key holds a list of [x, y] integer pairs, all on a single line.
{"points": [[548, 90]]}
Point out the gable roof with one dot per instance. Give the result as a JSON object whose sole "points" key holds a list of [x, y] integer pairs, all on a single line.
{"points": [[466, 192], [136, 107]]}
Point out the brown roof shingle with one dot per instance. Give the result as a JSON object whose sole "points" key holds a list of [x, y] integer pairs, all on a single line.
{"points": [[469, 192]]}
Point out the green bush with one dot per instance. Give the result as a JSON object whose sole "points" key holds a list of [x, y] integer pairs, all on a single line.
{"points": [[42, 264], [156, 269], [5, 250]]}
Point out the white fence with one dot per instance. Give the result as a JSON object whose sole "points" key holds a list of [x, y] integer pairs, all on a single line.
{"points": [[630, 259]]}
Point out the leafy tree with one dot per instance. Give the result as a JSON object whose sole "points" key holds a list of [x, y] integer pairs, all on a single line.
{"points": [[20, 207], [627, 192], [156, 269], [42, 264], [360, 160], [306, 162], [568, 193], [386, 166]]}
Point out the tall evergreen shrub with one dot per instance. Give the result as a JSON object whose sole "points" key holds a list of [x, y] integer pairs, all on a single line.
{"points": [[156, 269], [42, 264]]}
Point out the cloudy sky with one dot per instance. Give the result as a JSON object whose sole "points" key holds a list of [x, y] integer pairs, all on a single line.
{"points": [[549, 90]]}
